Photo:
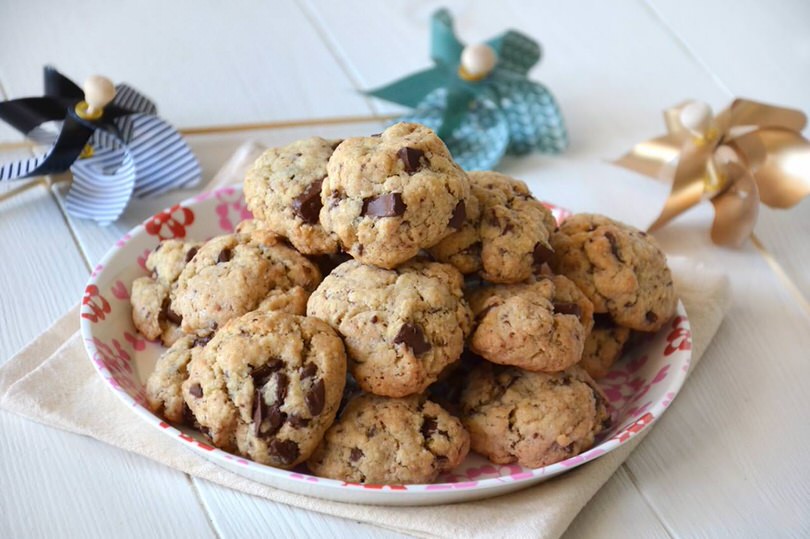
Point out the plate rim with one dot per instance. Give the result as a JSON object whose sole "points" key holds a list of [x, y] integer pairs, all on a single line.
{"points": [[525, 478]]}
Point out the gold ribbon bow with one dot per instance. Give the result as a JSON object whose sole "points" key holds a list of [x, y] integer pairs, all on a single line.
{"points": [[749, 152]]}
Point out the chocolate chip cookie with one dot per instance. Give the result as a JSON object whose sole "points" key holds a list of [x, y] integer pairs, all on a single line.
{"points": [[604, 346], [401, 327], [538, 326], [237, 273], [283, 191], [620, 269], [532, 418], [391, 441], [506, 237], [152, 311], [268, 385], [163, 388], [387, 197]]}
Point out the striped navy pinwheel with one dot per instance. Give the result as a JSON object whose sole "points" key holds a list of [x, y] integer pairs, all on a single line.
{"points": [[478, 98], [108, 137]]}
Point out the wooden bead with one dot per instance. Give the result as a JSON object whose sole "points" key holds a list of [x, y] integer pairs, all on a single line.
{"points": [[478, 60], [98, 92], [696, 117]]}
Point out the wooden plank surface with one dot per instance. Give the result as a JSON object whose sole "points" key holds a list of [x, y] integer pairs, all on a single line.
{"points": [[634, 84], [35, 294], [240, 515], [54, 482], [631, 517], [727, 460], [202, 64]]}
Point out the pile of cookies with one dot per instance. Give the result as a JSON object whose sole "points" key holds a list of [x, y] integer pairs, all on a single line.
{"points": [[384, 312]]}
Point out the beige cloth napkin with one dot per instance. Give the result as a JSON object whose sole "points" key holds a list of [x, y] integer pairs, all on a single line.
{"points": [[52, 381]]}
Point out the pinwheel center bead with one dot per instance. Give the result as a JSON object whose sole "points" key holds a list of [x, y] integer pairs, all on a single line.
{"points": [[696, 116], [98, 93], [717, 170], [87, 152], [477, 61]]}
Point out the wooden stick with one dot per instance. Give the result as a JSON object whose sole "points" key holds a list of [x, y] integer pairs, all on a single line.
{"points": [[235, 128], [337, 120]]}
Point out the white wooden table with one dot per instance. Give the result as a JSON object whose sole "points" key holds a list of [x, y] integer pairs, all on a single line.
{"points": [[728, 459]]}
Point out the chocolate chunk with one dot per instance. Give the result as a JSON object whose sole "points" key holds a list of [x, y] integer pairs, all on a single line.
{"points": [[173, 317], [258, 412], [309, 370], [308, 204], [196, 390], [224, 255], [372, 432], [285, 450], [614, 245], [166, 313], [376, 135], [282, 381], [261, 374], [568, 308], [356, 454], [159, 245], [411, 158], [651, 317], [315, 398], [190, 254], [202, 341], [603, 321], [413, 337], [297, 422], [428, 426], [542, 254], [389, 205], [274, 416], [275, 419], [459, 216]]}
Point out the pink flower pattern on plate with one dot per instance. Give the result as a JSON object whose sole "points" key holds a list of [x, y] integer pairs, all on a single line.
{"points": [[142, 258], [231, 209]]}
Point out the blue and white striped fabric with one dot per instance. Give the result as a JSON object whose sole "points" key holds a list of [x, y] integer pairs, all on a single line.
{"points": [[155, 160], [150, 158], [20, 169], [102, 185]]}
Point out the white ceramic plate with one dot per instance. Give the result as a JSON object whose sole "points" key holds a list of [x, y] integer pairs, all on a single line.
{"points": [[640, 386]]}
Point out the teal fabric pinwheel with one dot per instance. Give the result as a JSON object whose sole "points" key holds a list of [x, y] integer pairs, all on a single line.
{"points": [[478, 98]]}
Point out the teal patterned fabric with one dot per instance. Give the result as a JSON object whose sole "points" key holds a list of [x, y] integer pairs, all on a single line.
{"points": [[481, 121]]}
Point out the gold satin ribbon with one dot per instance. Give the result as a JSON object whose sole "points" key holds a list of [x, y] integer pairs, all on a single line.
{"points": [[749, 152]]}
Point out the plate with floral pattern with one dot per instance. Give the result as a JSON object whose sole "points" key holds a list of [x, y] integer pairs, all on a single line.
{"points": [[640, 386]]}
